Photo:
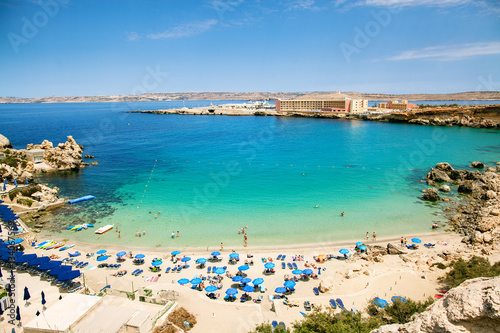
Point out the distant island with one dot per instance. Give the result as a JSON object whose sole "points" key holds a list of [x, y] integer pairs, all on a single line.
{"points": [[249, 96]]}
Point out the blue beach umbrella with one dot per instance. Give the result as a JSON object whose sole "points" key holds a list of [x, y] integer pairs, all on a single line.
{"points": [[38, 261], [121, 253], [359, 243], [185, 259], [157, 263], [344, 251], [246, 280], [297, 271], [237, 278], [234, 255], [66, 276], [183, 281], [102, 258], [139, 256], [248, 289], [14, 241], [380, 302], [219, 270], [26, 258], [174, 253], [201, 261], [307, 271], [231, 292], [49, 265], [210, 289], [394, 299], [362, 247], [289, 284], [416, 240], [195, 281], [101, 251], [215, 253], [59, 269], [280, 290], [243, 268], [258, 281], [269, 265]]}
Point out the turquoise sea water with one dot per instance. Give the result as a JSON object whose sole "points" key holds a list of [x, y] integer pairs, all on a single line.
{"points": [[211, 175]]}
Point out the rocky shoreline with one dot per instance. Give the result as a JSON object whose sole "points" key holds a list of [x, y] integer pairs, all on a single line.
{"points": [[16, 166], [478, 217], [482, 116]]}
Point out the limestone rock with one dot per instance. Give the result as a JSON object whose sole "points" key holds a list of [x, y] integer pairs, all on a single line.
{"points": [[431, 194], [477, 164], [4, 142], [392, 249], [94, 163], [438, 176], [327, 284], [446, 167], [490, 194], [444, 188], [488, 223], [474, 306], [466, 187]]}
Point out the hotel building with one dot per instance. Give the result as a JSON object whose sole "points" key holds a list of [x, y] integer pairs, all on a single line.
{"points": [[343, 105]]}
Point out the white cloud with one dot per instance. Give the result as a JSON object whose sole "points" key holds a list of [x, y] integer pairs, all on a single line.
{"points": [[179, 31], [302, 5], [450, 52]]}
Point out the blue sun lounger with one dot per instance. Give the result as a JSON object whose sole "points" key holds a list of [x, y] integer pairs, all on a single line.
{"points": [[340, 303], [289, 265], [294, 266], [274, 324], [167, 270], [332, 303], [209, 269], [283, 265], [316, 291], [282, 324], [283, 257], [279, 257]]}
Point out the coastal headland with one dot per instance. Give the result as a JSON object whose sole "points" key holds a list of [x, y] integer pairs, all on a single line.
{"points": [[479, 116]]}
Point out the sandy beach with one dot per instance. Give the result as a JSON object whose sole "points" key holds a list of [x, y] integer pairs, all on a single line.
{"points": [[355, 281]]}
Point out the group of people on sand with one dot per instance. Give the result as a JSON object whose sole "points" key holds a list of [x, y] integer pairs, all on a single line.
{"points": [[374, 236]]}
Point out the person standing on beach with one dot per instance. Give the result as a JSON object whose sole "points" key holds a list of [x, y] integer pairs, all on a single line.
{"points": [[173, 234], [367, 235], [177, 233], [246, 238], [374, 236], [402, 241], [221, 246]]}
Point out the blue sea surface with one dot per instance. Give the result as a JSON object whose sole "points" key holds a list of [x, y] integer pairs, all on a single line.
{"points": [[287, 179]]}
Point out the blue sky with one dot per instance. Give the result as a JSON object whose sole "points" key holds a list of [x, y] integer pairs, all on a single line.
{"points": [[70, 48]]}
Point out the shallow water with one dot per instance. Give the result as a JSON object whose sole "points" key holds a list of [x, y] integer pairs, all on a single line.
{"points": [[211, 175]]}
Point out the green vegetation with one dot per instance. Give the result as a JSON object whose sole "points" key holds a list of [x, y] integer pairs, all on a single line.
{"points": [[439, 265], [327, 321], [476, 267], [25, 192], [25, 202]]}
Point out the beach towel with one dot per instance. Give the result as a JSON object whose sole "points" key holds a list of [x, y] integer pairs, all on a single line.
{"points": [[156, 279], [149, 279], [91, 267]]}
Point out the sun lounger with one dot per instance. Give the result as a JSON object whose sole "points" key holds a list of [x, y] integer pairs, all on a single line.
{"points": [[282, 324], [340, 303], [274, 324], [294, 266], [411, 247], [289, 265], [258, 299], [209, 269], [283, 257], [316, 291], [167, 270], [279, 257], [429, 245], [262, 288], [332, 303], [307, 306], [283, 265]]}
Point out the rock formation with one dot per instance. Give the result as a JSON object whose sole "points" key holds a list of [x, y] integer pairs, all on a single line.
{"points": [[66, 156], [474, 306], [4, 142], [477, 218], [431, 194]]}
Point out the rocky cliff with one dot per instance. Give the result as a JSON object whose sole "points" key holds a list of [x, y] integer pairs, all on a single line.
{"points": [[65, 156], [478, 218], [4, 142], [474, 306]]}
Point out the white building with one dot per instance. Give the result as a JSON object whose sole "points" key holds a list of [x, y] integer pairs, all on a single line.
{"points": [[358, 105], [35, 155]]}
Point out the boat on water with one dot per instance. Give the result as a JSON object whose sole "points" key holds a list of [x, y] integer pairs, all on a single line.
{"points": [[66, 247], [104, 229]]}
